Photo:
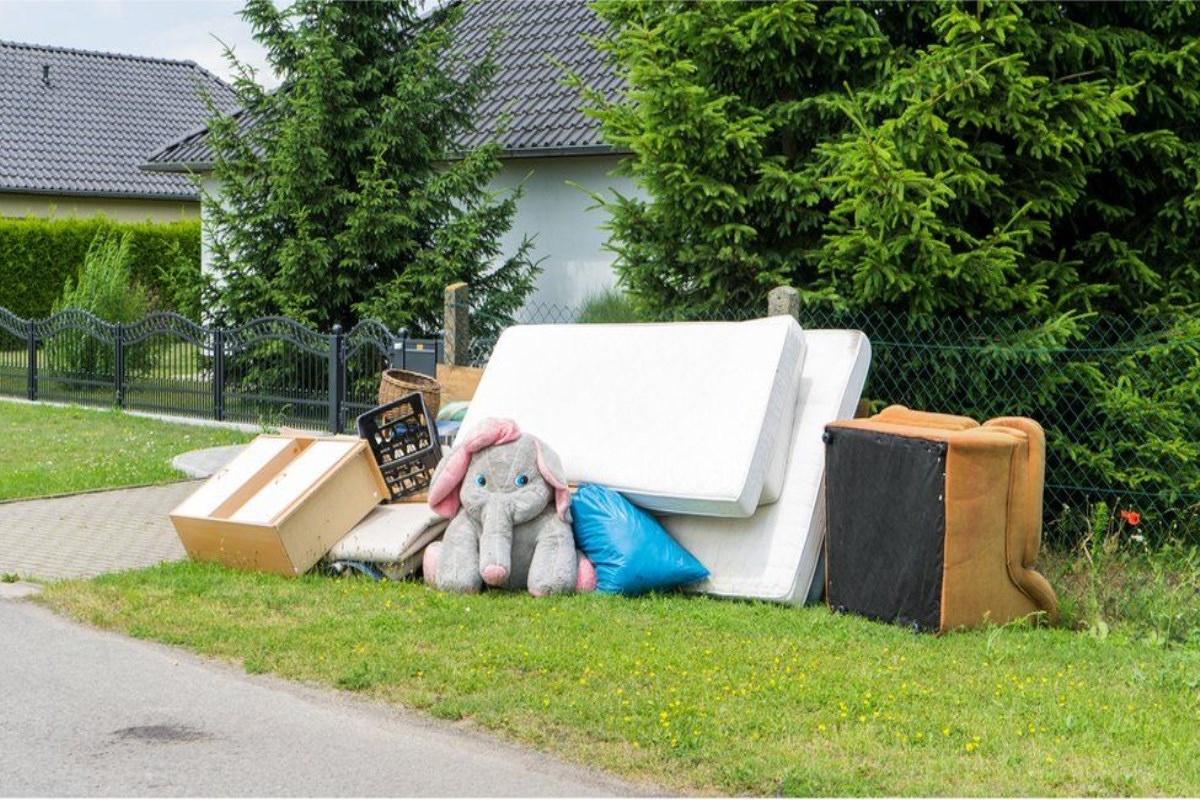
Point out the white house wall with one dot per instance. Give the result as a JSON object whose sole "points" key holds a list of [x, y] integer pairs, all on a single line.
{"points": [[115, 208], [566, 232], [212, 187]]}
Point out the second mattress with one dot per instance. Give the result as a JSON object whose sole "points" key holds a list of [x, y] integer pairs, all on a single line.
{"points": [[773, 555]]}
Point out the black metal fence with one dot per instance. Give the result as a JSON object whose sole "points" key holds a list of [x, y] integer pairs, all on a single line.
{"points": [[270, 371]]}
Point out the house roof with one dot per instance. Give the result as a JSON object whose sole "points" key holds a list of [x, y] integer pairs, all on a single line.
{"points": [[528, 110], [76, 122], [541, 42]]}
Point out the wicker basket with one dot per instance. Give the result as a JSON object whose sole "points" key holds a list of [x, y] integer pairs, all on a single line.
{"points": [[395, 383]]}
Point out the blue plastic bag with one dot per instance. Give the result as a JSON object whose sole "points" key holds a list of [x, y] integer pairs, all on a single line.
{"points": [[631, 551]]}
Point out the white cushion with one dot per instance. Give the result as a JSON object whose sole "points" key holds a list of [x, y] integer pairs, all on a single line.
{"points": [[773, 554], [687, 418]]}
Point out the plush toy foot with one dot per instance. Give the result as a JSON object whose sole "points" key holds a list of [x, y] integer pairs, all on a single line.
{"points": [[429, 562], [494, 575], [585, 580]]}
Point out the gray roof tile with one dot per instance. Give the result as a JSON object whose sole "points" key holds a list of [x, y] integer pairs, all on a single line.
{"points": [[542, 40], [89, 129]]}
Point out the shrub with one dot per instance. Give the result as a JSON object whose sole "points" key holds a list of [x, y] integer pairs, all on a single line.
{"points": [[1136, 424], [106, 289], [609, 306], [37, 256]]}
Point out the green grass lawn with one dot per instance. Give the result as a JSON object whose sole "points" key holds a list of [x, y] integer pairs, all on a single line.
{"points": [[53, 450], [691, 693], [699, 694]]}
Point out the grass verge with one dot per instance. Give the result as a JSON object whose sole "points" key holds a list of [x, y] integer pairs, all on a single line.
{"points": [[699, 694], [54, 450]]}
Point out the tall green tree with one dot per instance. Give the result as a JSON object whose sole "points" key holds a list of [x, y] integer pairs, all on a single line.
{"points": [[342, 193], [941, 157]]}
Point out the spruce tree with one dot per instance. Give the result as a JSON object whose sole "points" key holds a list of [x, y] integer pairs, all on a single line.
{"points": [[343, 195], [932, 157]]}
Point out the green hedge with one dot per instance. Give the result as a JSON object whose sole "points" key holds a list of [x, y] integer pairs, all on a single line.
{"points": [[38, 255]]}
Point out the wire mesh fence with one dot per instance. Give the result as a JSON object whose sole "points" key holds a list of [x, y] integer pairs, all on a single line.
{"points": [[1119, 397]]}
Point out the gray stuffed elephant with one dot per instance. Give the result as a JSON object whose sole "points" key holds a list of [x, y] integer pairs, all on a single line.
{"points": [[507, 497]]}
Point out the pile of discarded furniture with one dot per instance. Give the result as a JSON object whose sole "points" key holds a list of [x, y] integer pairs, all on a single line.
{"points": [[722, 458]]}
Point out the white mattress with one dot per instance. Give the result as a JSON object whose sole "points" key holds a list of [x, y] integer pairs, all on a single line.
{"points": [[393, 534], [773, 554], [683, 417]]}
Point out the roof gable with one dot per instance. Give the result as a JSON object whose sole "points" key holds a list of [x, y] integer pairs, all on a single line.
{"points": [[77, 122]]}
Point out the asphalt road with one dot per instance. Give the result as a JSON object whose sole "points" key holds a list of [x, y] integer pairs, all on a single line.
{"points": [[84, 712]]}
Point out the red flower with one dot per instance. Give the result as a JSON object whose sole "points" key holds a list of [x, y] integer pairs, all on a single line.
{"points": [[1131, 517]]}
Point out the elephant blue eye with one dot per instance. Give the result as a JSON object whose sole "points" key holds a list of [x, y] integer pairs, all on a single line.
{"points": [[522, 480], [480, 480]]}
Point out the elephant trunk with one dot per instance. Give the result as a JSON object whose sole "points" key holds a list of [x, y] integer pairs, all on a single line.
{"points": [[495, 543]]}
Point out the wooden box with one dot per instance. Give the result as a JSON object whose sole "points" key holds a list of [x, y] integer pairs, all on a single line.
{"points": [[281, 504]]}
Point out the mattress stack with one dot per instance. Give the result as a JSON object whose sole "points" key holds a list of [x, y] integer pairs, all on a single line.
{"points": [[714, 426]]}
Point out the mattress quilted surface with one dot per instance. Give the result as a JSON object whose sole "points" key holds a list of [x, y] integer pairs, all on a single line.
{"points": [[684, 417], [773, 554]]}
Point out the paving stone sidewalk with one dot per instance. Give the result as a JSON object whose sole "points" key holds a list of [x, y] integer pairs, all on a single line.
{"points": [[87, 534]]}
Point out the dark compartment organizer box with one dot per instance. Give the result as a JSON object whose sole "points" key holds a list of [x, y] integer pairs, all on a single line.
{"points": [[403, 438]]}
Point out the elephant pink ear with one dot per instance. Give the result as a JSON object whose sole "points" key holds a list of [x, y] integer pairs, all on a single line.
{"points": [[448, 478], [550, 466], [443, 490]]}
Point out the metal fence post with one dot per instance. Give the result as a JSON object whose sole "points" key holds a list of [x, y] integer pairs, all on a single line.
{"points": [[336, 379], [457, 324], [119, 364], [218, 371], [31, 387], [398, 359]]}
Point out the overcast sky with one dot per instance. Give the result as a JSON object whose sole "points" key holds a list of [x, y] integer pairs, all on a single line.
{"points": [[184, 29]]}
